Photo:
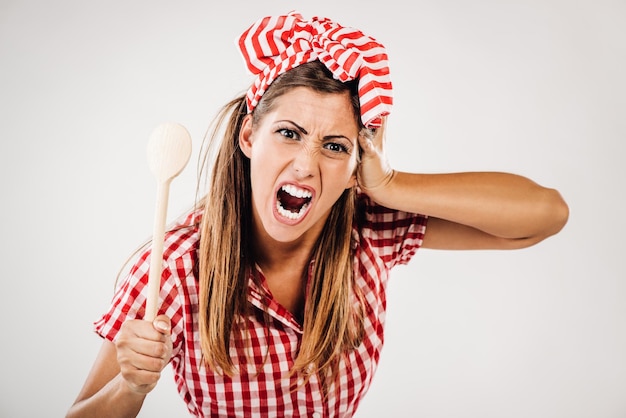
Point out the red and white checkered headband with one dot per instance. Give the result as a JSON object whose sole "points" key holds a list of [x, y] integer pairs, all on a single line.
{"points": [[276, 44]]}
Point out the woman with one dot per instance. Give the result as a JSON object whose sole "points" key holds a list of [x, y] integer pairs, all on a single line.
{"points": [[273, 289]]}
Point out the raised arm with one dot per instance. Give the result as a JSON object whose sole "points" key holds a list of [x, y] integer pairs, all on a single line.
{"points": [[473, 210]]}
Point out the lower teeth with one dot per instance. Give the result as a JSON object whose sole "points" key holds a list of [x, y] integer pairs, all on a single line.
{"points": [[289, 214]]}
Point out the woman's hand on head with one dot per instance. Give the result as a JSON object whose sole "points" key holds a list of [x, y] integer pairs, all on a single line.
{"points": [[374, 172], [143, 350]]}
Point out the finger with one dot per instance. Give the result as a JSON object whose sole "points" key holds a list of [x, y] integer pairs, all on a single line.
{"points": [[133, 365], [379, 134], [152, 349], [139, 380], [141, 339], [162, 324], [142, 329], [148, 363], [366, 146], [143, 355]]}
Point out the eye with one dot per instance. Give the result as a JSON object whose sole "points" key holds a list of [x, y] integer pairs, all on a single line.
{"points": [[336, 148], [289, 133]]}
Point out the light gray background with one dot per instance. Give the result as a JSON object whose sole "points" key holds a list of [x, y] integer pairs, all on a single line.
{"points": [[534, 87]]}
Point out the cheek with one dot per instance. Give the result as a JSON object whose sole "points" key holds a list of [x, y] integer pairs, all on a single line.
{"points": [[352, 167], [342, 176], [263, 174]]}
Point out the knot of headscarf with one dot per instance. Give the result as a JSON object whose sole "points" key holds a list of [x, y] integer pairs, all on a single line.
{"points": [[276, 44]]}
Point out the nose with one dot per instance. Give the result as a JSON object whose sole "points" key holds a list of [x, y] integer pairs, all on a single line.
{"points": [[305, 163]]}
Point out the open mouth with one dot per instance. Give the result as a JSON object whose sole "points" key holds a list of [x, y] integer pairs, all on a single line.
{"points": [[292, 202]]}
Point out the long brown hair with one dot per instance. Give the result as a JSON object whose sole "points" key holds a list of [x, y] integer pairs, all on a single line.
{"points": [[332, 315]]}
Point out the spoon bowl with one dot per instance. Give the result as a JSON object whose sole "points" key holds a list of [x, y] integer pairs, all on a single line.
{"points": [[169, 149]]}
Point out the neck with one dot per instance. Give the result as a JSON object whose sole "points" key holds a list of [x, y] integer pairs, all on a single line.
{"points": [[284, 266], [271, 254], [274, 255]]}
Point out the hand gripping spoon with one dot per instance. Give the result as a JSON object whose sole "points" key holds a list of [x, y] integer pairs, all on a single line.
{"points": [[169, 149]]}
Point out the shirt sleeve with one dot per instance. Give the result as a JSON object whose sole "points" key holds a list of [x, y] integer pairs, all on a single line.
{"points": [[130, 296], [394, 235]]}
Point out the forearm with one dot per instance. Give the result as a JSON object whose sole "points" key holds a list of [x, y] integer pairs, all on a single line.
{"points": [[501, 204], [116, 399]]}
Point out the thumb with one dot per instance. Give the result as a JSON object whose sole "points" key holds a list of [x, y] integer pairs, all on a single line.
{"points": [[367, 147], [162, 324]]}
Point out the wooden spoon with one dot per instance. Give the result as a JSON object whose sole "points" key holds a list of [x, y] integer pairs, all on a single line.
{"points": [[169, 149]]}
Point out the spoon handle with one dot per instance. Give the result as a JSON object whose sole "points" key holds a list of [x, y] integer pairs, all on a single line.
{"points": [[156, 253]]}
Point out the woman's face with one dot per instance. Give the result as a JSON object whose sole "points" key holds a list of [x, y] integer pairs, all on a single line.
{"points": [[303, 155]]}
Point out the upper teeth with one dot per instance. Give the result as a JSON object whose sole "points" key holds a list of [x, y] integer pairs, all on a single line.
{"points": [[296, 191]]}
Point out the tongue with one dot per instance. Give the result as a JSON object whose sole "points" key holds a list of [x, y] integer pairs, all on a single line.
{"points": [[291, 203]]}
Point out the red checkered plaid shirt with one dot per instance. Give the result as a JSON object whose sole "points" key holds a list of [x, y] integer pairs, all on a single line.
{"points": [[262, 388]]}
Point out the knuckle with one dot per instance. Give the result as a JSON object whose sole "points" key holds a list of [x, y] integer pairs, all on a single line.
{"points": [[159, 350], [156, 364]]}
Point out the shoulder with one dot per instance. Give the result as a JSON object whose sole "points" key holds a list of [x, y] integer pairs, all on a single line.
{"points": [[180, 247], [182, 236], [391, 235], [371, 215]]}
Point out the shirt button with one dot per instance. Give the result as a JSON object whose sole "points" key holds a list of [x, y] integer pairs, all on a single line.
{"points": [[316, 415]]}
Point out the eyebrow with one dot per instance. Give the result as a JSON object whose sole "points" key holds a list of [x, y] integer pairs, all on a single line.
{"points": [[304, 131]]}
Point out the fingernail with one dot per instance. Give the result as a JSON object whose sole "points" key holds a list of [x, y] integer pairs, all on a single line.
{"points": [[161, 325]]}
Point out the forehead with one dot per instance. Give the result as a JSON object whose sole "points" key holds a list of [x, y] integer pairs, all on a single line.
{"points": [[314, 110]]}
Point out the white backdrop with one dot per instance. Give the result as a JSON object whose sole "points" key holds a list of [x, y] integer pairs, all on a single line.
{"points": [[534, 87]]}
